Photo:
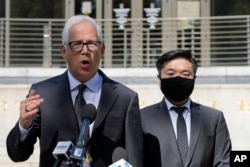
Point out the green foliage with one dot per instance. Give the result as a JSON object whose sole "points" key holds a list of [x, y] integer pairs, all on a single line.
{"points": [[37, 8], [230, 7], [241, 7], [55, 8]]}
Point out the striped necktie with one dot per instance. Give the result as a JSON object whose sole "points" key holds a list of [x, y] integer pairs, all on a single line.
{"points": [[182, 140]]}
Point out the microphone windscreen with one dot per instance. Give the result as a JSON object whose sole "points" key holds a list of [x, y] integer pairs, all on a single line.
{"points": [[89, 112], [118, 154]]}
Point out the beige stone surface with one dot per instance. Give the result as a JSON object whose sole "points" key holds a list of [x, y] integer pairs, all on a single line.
{"points": [[233, 100]]}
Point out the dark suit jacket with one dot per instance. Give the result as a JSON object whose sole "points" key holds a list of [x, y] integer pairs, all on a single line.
{"points": [[118, 123], [210, 143]]}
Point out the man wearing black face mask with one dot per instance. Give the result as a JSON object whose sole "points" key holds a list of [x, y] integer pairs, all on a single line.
{"points": [[177, 131]]}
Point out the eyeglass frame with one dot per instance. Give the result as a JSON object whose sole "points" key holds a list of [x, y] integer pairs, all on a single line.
{"points": [[84, 43]]}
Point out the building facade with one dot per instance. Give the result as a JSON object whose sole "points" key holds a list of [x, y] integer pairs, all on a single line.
{"points": [[30, 30]]}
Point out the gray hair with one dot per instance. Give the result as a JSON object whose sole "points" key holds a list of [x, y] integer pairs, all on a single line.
{"points": [[77, 19]]}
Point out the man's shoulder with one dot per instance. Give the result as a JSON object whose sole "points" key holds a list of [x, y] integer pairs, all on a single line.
{"points": [[125, 88], [120, 87], [48, 81], [151, 108], [150, 112], [207, 110]]}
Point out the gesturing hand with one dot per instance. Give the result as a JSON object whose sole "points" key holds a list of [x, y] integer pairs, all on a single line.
{"points": [[29, 108]]}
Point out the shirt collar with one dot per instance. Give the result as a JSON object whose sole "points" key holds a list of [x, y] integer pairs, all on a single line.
{"points": [[170, 105], [93, 84]]}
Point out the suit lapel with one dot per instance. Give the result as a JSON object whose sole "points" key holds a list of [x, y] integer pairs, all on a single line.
{"points": [[63, 89], [196, 121], [108, 98], [170, 134]]}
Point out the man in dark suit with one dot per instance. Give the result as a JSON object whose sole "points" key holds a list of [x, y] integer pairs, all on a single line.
{"points": [[48, 112], [177, 131]]}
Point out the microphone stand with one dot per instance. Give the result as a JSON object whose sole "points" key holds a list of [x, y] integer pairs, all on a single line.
{"points": [[77, 157], [58, 162]]}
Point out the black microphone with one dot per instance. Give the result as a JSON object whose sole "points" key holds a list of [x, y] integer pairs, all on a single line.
{"points": [[119, 158], [88, 115], [62, 152], [119, 153]]}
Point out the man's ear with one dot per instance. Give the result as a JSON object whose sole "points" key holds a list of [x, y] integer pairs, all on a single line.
{"points": [[159, 79], [63, 50], [102, 49]]}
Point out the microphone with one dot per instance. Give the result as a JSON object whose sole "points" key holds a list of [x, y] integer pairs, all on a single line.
{"points": [[119, 158], [62, 152], [88, 115]]}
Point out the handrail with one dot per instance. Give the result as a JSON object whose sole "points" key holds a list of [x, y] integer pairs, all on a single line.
{"points": [[214, 41]]}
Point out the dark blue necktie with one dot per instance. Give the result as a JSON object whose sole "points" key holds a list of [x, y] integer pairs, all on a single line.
{"points": [[182, 140], [79, 103]]}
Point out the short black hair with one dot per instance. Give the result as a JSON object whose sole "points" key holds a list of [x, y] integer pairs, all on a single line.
{"points": [[173, 54]]}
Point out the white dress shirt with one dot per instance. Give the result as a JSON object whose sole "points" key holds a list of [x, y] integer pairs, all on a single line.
{"points": [[186, 115]]}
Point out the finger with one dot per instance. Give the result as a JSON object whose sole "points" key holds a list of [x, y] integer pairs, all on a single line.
{"points": [[32, 101], [27, 118], [27, 109], [33, 104], [32, 93], [32, 96]]}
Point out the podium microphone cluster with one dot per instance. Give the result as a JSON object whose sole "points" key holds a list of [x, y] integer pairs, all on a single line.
{"points": [[119, 158], [88, 115], [62, 152], [74, 154]]}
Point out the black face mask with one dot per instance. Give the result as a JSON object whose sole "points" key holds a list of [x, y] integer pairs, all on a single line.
{"points": [[177, 88]]}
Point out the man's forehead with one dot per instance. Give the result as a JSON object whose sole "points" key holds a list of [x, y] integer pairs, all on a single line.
{"points": [[178, 68]]}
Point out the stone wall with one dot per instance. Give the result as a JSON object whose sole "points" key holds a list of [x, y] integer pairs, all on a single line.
{"points": [[232, 99]]}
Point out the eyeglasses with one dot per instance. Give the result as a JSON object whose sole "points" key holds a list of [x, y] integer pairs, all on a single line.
{"points": [[77, 46]]}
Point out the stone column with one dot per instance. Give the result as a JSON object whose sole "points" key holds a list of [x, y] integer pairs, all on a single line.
{"points": [[108, 6], [169, 31], [136, 37], [99, 6], [69, 8], [205, 33]]}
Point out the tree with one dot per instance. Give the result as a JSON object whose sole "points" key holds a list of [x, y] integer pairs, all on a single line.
{"points": [[230, 7], [37, 9]]}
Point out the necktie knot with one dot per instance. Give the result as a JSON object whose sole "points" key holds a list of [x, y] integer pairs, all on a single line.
{"points": [[179, 110], [81, 88]]}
